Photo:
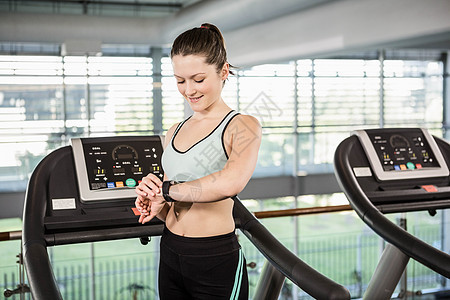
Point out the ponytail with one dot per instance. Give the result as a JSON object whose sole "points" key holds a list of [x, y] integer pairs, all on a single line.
{"points": [[206, 40]]}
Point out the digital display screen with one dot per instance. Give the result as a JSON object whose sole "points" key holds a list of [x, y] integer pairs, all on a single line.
{"points": [[403, 151], [111, 165]]}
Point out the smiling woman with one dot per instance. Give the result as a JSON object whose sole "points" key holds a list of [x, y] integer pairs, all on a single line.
{"points": [[208, 158], [198, 81]]}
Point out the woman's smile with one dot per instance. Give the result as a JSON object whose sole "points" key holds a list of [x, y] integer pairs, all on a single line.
{"points": [[194, 99]]}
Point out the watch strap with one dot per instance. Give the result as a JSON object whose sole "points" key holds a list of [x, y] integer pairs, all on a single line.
{"points": [[165, 190]]}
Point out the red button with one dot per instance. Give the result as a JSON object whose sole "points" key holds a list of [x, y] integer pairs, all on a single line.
{"points": [[136, 212], [429, 188]]}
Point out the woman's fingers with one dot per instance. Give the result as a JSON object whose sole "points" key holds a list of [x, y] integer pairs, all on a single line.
{"points": [[142, 205], [140, 192], [155, 179], [149, 186], [147, 201]]}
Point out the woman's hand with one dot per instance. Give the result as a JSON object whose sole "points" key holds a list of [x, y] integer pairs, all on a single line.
{"points": [[143, 205], [149, 201]]}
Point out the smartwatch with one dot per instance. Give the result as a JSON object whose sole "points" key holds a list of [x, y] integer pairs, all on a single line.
{"points": [[165, 189]]}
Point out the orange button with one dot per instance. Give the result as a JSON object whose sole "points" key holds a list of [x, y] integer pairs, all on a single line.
{"points": [[136, 212], [429, 188]]}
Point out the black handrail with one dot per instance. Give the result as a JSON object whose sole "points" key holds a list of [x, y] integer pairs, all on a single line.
{"points": [[305, 277], [42, 281], [428, 255]]}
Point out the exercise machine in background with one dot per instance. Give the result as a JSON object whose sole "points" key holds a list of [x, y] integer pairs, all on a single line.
{"points": [[385, 171]]}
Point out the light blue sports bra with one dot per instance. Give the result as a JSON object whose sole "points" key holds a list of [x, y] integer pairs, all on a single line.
{"points": [[203, 158]]}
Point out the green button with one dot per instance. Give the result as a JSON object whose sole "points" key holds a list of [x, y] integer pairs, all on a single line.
{"points": [[410, 166], [130, 182]]}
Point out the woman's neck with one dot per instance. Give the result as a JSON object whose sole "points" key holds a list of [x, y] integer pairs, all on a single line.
{"points": [[216, 110]]}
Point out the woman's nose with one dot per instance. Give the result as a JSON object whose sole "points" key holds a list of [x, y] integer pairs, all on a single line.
{"points": [[190, 89]]}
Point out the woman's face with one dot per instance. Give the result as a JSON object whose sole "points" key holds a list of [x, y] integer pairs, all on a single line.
{"points": [[197, 81]]}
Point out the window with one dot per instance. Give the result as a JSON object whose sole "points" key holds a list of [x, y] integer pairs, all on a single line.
{"points": [[173, 102], [46, 100], [334, 97], [413, 93], [306, 106]]}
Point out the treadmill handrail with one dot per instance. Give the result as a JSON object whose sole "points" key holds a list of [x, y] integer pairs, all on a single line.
{"points": [[314, 283], [433, 258], [43, 284]]}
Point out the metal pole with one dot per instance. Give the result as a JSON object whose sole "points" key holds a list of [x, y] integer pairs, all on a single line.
{"points": [[404, 279], [313, 113], [156, 264], [381, 59], [157, 90], [387, 274], [88, 98], [66, 138], [445, 93], [359, 264], [92, 272], [295, 172], [269, 284], [445, 217]]}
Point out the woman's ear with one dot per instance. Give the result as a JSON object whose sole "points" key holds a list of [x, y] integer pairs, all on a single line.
{"points": [[225, 71]]}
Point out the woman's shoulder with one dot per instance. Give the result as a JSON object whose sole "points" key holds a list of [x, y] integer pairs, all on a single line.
{"points": [[244, 125], [170, 133], [173, 128], [246, 120]]}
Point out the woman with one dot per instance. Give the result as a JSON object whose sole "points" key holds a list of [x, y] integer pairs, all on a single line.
{"points": [[208, 158]]}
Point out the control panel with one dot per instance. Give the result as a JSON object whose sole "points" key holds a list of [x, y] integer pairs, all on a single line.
{"points": [[110, 169], [396, 154]]}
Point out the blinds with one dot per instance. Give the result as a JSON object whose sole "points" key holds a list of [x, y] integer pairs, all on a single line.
{"points": [[173, 102], [108, 95], [346, 92], [46, 100], [267, 93], [413, 93]]}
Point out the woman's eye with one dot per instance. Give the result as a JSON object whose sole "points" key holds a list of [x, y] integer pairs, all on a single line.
{"points": [[180, 82], [199, 81]]}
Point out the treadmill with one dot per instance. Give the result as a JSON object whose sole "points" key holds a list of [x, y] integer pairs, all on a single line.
{"points": [[394, 170], [85, 193]]}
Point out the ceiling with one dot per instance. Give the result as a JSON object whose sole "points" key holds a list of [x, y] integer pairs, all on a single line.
{"points": [[118, 8], [256, 31]]}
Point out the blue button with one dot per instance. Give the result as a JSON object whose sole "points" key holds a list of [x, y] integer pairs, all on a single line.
{"points": [[110, 184], [397, 168]]}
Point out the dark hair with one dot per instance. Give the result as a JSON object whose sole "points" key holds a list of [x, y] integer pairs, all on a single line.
{"points": [[206, 40]]}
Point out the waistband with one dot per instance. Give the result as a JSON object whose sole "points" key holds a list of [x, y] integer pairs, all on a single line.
{"points": [[209, 245]]}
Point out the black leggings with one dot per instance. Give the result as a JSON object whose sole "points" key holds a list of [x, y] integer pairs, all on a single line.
{"points": [[202, 268]]}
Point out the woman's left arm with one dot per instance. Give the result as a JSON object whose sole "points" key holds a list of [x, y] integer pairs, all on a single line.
{"points": [[243, 138]]}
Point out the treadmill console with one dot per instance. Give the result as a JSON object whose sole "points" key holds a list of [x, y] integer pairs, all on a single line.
{"points": [[110, 168], [397, 154]]}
